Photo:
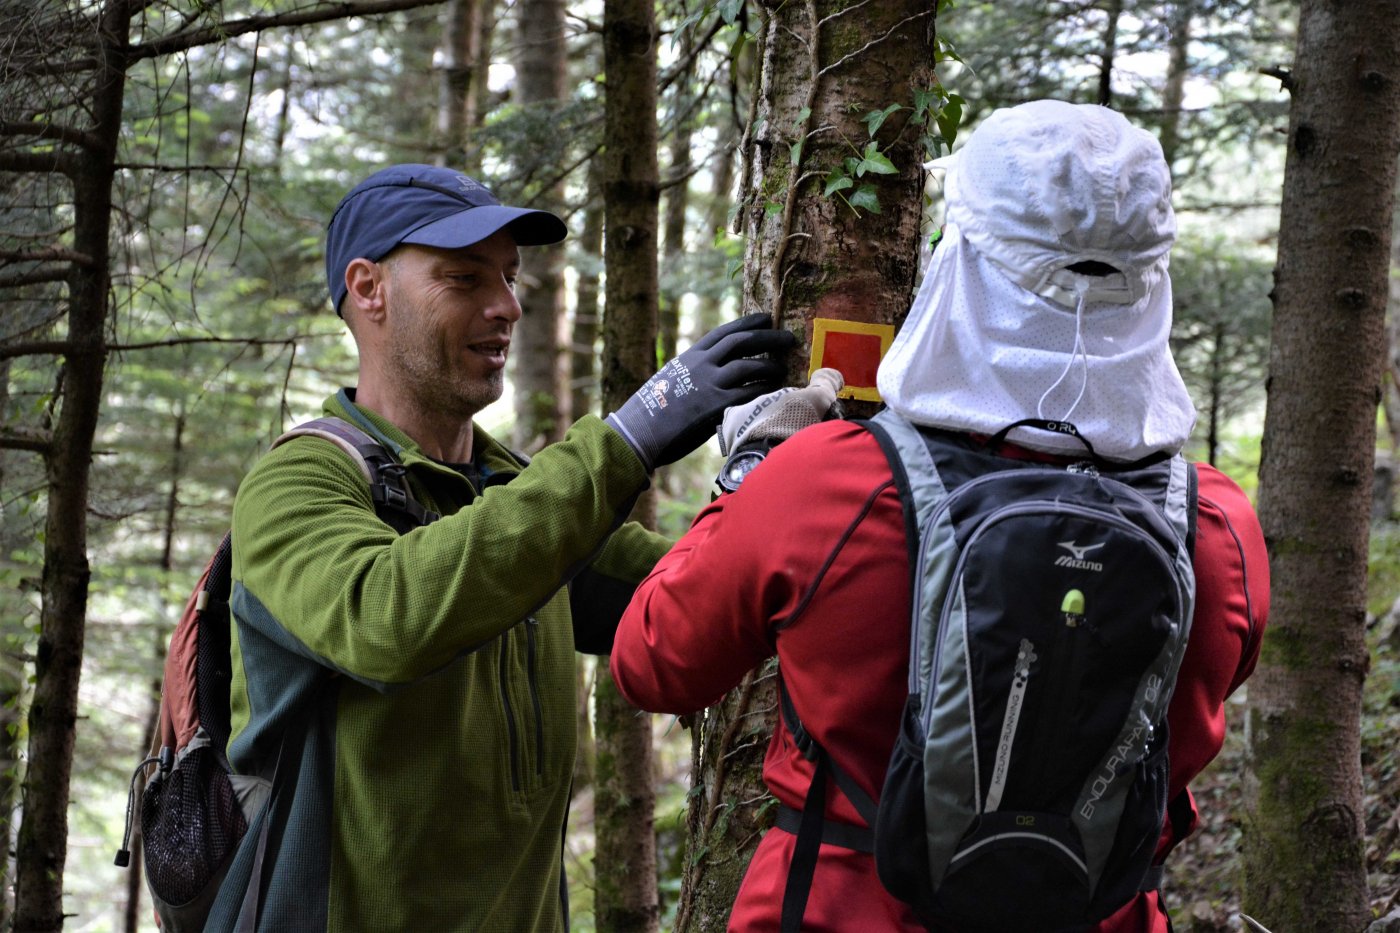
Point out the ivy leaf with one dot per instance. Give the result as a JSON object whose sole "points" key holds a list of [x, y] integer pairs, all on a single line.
{"points": [[876, 118], [875, 162], [802, 116], [729, 10], [851, 165], [926, 99], [795, 152], [772, 208], [866, 197], [949, 118], [837, 181]]}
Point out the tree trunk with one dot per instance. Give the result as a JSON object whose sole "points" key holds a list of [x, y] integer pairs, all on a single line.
{"points": [[1110, 50], [583, 372], [627, 896], [542, 82], [849, 257], [1304, 840], [1178, 70], [53, 711], [457, 99], [677, 199], [13, 612], [583, 389], [721, 199], [808, 255]]}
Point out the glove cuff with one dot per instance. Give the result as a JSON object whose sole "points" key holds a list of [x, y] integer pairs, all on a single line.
{"points": [[618, 425]]}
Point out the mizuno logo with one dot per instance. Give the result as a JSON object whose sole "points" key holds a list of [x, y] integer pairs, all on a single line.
{"points": [[1079, 551], [1075, 559]]}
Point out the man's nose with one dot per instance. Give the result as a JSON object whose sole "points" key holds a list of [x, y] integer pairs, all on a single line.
{"points": [[504, 305]]}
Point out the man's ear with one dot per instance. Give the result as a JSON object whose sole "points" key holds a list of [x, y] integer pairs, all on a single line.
{"points": [[364, 289]]}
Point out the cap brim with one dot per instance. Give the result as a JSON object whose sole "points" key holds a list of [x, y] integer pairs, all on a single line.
{"points": [[529, 227]]}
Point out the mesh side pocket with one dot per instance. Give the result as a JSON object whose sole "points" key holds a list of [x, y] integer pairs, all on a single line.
{"points": [[191, 824]]}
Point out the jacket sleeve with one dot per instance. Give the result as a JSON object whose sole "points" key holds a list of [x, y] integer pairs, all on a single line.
{"points": [[312, 561], [709, 612], [601, 591], [1232, 608]]}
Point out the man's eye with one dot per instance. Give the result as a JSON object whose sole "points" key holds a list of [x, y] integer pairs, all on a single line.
{"points": [[510, 283]]}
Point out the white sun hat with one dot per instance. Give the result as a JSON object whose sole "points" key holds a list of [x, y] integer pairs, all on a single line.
{"points": [[1004, 329]]}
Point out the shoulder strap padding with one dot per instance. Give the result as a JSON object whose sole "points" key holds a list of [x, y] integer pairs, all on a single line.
{"points": [[342, 434], [393, 498]]}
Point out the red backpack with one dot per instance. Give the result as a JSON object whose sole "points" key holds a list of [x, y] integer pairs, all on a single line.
{"points": [[195, 809]]}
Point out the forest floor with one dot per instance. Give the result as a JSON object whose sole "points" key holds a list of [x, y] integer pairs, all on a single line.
{"points": [[1204, 873]]}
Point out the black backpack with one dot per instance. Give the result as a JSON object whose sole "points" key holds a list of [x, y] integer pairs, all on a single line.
{"points": [[1051, 608], [195, 810]]}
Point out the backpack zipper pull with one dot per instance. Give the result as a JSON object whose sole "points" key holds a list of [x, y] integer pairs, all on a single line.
{"points": [[1073, 608], [123, 858]]}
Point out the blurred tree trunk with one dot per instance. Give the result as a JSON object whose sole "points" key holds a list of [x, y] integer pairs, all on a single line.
{"points": [[167, 567], [825, 64], [1304, 840], [583, 370], [583, 389], [1114, 9], [542, 83], [681, 125], [14, 620], [460, 72], [717, 214], [627, 896], [1178, 20]]}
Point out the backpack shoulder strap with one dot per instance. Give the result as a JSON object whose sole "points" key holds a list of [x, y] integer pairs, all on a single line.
{"points": [[920, 486], [809, 824], [393, 498]]}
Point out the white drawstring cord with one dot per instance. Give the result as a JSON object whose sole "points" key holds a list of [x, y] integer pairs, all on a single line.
{"points": [[1079, 351]]}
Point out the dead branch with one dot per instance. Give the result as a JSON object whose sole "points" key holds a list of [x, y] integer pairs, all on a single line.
{"points": [[37, 277], [222, 32], [38, 442], [62, 347], [52, 254]]}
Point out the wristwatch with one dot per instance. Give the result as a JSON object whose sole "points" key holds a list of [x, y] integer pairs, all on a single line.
{"points": [[741, 463]]}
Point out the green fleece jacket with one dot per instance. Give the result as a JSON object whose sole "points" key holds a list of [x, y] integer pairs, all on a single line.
{"points": [[411, 697]]}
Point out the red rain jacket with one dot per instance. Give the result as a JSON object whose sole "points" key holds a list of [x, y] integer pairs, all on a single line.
{"points": [[808, 560]]}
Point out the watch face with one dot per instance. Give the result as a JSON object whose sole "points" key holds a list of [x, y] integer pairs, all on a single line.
{"points": [[739, 465]]}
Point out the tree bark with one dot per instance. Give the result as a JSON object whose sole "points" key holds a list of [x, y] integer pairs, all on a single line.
{"points": [[627, 897], [1304, 840], [461, 52], [1110, 50], [583, 389], [43, 838], [1178, 70], [809, 256], [677, 199], [542, 82]]}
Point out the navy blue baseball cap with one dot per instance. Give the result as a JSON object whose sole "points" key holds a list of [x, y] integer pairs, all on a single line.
{"points": [[428, 206]]}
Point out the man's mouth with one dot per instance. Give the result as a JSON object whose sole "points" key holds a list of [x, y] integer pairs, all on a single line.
{"points": [[493, 350]]}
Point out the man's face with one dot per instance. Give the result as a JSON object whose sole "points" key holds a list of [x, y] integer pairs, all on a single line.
{"points": [[451, 312]]}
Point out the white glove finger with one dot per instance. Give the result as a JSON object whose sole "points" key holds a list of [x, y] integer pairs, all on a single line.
{"points": [[823, 386]]}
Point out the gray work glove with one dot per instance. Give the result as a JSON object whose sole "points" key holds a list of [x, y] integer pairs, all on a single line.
{"points": [[677, 409], [779, 415]]}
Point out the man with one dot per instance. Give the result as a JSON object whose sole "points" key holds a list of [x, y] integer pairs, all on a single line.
{"points": [[1046, 298], [411, 697]]}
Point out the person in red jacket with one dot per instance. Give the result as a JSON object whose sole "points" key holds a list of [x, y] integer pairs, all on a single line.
{"points": [[1046, 297]]}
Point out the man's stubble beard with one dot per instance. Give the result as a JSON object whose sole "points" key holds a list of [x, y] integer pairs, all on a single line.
{"points": [[434, 382]]}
